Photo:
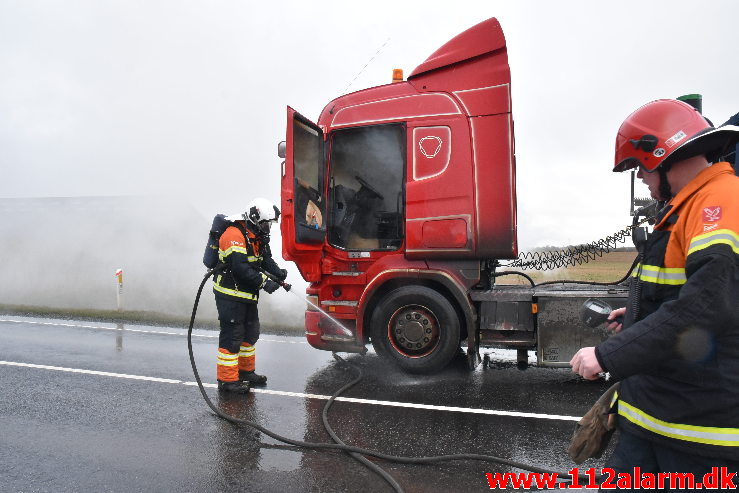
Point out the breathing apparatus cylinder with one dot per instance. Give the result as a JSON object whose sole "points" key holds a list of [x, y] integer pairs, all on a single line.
{"points": [[694, 100], [210, 257]]}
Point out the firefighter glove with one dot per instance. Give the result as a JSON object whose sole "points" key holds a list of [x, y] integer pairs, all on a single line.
{"points": [[270, 286], [594, 430], [283, 275]]}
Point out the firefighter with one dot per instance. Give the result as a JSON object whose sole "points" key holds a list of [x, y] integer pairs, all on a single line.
{"points": [[677, 356], [244, 248]]}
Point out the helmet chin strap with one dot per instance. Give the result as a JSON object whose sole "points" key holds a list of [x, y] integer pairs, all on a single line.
{"points": [[665, 190]]}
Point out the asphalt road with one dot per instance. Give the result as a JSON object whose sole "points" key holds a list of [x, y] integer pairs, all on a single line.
{"points": [[94, 407]]}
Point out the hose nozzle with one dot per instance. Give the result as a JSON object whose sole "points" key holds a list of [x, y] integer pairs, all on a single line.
{"points": [[284, 285]]}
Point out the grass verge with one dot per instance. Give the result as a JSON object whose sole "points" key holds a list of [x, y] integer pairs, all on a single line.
{"points": [[133, 317]]}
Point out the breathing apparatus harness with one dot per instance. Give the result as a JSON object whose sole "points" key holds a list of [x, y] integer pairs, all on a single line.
{"points": [[356, 452]]}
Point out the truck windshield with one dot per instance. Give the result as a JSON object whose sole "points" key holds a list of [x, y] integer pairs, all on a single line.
{"points": [[366, 187]]}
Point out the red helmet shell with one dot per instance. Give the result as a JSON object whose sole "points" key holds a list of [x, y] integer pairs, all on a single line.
{"points": [[652, 134]]}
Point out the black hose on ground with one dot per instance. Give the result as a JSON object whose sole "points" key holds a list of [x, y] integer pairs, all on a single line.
{"points": [[358, 457], [341, 446]]}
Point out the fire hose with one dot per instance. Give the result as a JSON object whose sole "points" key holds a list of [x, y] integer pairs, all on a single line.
{"points": [[355, 452]]}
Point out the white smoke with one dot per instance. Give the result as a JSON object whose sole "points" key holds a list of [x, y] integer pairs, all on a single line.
{"points": [[63, 253]]}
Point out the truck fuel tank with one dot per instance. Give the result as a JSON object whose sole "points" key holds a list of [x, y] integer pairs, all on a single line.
{"points": [[560, 330], [546, 318]]}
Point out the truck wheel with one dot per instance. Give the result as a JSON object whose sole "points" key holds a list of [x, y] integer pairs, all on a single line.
{"points": [[417, 328]]}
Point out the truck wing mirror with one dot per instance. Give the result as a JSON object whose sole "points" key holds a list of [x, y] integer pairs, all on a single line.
{"points": [[282, 150]]}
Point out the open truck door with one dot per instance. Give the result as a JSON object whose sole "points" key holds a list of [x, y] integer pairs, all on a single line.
{"points": [[303, 197]]}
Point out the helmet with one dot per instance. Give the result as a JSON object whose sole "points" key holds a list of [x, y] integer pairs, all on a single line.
{"points": [[261, 213], [666, 131]]}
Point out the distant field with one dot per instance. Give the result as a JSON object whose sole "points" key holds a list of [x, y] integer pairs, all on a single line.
{"points": [[609, 268], [130, 317]]}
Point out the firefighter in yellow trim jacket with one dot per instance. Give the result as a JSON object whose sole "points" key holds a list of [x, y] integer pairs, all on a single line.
{"points": [[678, 354], [244, 248]]}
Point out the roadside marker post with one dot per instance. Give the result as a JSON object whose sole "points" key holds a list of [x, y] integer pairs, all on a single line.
{"points": [[119, 292]]}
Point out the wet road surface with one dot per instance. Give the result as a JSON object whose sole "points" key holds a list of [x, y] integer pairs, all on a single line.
{"points": [[91, 406]]}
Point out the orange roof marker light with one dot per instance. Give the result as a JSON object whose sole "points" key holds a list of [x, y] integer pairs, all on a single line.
{"points": [[397, 75]]}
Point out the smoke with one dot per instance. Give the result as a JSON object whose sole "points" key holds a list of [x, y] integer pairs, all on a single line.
{"points": [[63, 253], [374, 154]]}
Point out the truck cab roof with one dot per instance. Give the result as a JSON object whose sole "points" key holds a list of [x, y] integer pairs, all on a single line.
{"points": [[472, 68]]}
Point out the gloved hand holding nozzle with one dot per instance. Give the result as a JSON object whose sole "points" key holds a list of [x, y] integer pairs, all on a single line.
{"points": [[273, 283], [270, 286]]}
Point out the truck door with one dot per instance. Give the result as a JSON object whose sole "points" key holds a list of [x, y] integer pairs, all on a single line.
{"points": [[303, 201]]}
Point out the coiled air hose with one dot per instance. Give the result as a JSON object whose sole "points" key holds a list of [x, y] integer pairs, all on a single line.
{"points": [[355, 452], [579, 254]]}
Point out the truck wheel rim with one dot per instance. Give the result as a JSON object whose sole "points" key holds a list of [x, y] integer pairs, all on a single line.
{"points": [[413, 331]]}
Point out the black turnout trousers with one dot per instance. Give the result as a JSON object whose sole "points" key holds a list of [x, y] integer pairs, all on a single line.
{"points": [[239, 323]]}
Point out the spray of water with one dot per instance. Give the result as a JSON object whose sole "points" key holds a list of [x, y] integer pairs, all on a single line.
{"points": [[346, 331]]}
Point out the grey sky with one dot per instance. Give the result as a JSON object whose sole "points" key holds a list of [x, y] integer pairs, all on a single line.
{"points": [[187, 98]]}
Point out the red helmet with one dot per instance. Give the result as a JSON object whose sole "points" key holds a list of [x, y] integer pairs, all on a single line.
{"points": [[666, 131]]}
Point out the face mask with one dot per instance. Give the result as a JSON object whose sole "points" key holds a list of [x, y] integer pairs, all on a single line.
{"points": [[264, 227]]}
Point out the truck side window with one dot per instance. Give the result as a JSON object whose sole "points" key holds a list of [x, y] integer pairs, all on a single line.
{"points": [[310, 205], [366, 188]]}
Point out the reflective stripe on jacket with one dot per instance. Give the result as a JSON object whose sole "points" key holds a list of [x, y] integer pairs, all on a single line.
{"points": [[679, 359], [242, 279]]}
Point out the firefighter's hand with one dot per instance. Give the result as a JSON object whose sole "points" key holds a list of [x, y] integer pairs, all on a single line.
{"points": [[283, 275], [270, 286], [613, 324], [585, 364]]}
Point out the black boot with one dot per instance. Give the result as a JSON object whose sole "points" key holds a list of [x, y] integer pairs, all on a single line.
{"points": [[252, 378], [238, 387]]}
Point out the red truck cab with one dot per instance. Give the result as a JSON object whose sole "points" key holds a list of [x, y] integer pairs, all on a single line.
{"points": [[397, 202]]}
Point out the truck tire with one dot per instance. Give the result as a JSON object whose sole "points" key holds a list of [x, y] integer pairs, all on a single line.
{"points": [[417, 328]]}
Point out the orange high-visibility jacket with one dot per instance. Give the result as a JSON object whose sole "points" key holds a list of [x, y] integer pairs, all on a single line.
{"points": [[679, 360], [245, 255]]}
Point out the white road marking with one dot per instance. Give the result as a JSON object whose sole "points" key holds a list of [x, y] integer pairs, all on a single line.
{"points": [[468, 410], [140, 331], [90, 372]]}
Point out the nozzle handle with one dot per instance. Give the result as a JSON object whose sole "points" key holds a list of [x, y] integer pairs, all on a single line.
{"points": [[285, 285]]}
